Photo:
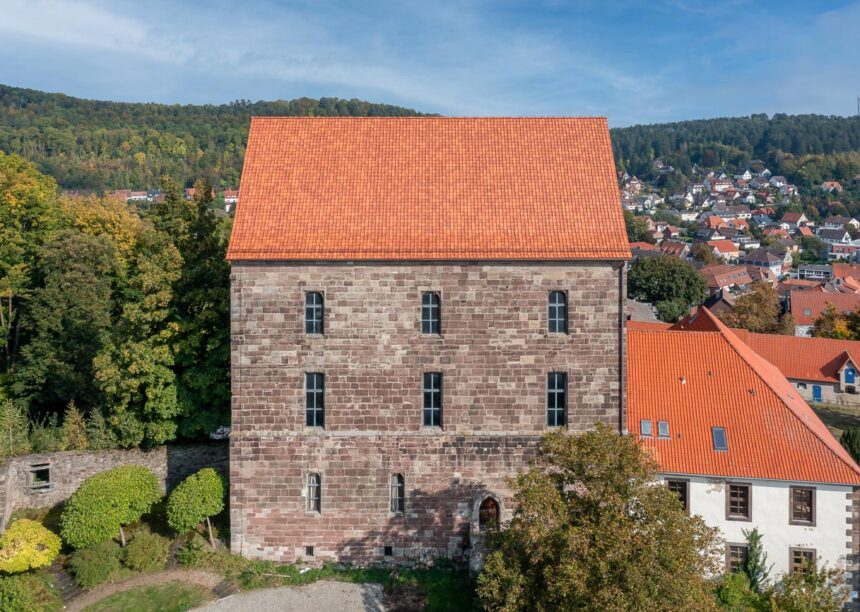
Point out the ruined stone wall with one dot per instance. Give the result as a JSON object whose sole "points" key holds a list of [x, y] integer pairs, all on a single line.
{"points": [[494, 353], [68, 470]]}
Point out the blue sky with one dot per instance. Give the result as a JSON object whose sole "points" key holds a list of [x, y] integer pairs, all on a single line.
{"points": [[635, 61]]}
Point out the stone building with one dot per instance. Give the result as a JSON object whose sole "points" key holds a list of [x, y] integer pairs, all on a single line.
{"points": [[415, 301]]}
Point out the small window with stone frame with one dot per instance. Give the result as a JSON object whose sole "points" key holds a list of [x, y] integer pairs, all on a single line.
{"points": [[39, 478]]}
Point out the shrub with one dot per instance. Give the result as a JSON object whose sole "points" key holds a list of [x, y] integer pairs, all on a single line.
{"points": [[46, 436], [26, 545], [74, 429], [851, 441], [196, 499], [147, 552], [191, 554], [822, 589], [99, 434], [14, 429], [95, 565], [107, 501], [28, 593]]}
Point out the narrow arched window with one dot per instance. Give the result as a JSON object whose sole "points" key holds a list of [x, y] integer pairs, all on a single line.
{"points": [[314, 493], [398, 493], [431, 313], [314, 312], [488, 515], [558, 312]]}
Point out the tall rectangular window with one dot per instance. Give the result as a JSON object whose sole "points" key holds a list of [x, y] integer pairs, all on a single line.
{"points": [[721, 443], [432, 392], [314, 399], [431, 315], [681, 488], [556, 399], [314, 312], [314, 493], [557, 312], [802, 509], [736, 556], [398, 493], [739, 502]]}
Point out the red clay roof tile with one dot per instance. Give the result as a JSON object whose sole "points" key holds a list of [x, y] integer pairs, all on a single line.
{"points": [[428, 188], [697, 380]]}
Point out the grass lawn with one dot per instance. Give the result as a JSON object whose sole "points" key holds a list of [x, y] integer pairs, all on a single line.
{"points": [[169, 597], [837, 418]]}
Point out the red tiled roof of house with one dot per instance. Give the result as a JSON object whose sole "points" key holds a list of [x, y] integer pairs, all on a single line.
{"points": [[645, 246], [816, 302], [648, 325], [697, 380], [841, 270], [428, 188], [804, 231], [720, 276], [674, 248], [723, 246], [815, 359], [792, 217]]}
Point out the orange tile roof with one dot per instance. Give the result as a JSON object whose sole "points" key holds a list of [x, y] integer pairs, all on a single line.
{"points": [[649, 325], [816, 302], [841, 270], [428, 188], [723, 246], [697, 380]]}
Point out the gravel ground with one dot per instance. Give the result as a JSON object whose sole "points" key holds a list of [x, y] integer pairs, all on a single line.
{"points": [[322, 596]]}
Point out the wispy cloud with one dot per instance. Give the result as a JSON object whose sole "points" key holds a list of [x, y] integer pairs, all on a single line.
{"points": [[633, 60]]}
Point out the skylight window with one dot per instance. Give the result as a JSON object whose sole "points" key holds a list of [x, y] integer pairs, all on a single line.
{"points": [[663, 429], [645, 428], [720, 441]]}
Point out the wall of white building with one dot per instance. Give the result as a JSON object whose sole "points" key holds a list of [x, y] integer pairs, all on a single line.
{"points": [[770, 514]]}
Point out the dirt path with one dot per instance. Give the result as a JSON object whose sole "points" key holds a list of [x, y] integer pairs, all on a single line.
{"points": [[206, 580], [321, 596]]}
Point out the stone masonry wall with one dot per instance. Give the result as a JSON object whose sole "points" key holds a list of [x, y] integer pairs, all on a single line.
{"points": [[172, 464], [494, 353]]}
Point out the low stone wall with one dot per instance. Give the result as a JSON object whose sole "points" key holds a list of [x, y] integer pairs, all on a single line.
{"points": [[37, 481]]}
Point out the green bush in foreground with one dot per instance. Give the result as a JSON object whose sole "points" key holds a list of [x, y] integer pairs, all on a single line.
{"points": [[105, 502], [147, 552], [27, 545], [95, 565], [196, 499], [28, 593]]}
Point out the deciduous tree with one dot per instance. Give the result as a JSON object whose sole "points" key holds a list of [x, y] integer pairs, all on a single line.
{"points": [[592, 531], [197, 498], [666, 279]]}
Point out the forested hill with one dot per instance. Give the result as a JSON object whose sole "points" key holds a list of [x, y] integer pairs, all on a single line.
{"points": [[89, 144], [806, 148]]}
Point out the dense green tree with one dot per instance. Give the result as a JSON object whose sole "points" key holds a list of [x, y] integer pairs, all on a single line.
{"points": [[68, 321], [591, 531], [134, 370], [28, 215], [637, 228], [813, 250], [105, 502], [756, 566], [200, 308], [667, 280]]}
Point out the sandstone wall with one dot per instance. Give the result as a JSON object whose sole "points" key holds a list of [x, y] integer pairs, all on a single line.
{"points": [[494, 353]]}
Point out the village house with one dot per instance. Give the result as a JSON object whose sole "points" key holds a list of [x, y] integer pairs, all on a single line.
{"points": [[722, 277], [763, 258], [726, 250], [675, 249], [807, 306], [794, 220], [231, 198], [834, 236], [392, 369], [821, 369], [831, 186], [778, 182], [740, 447], [814, 272], [840, 222]]}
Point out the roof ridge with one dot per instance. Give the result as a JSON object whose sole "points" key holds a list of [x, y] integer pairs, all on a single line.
{"points": [[732, 340]]}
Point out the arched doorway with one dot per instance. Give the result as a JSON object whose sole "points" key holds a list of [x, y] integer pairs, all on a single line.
{"points": [[488, 515]]}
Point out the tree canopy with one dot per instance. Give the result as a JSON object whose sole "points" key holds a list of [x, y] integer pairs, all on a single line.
{"points": [[591, 531], [671, 284]]}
